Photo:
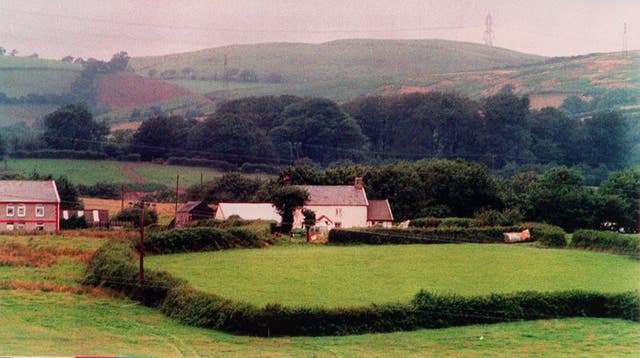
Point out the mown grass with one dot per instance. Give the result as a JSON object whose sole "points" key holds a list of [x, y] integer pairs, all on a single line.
{"points": [[36, 323], [333, 276], [89, 172]]}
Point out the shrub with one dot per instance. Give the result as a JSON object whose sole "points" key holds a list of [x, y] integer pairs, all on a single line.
{"points": [[74, 222], [547, 235], [425, 222], [132, 215], [439, 235], [200, 239], [607, 241], [259, 168], [458, 222]]}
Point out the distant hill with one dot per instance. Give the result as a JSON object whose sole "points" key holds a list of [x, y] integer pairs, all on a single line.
{"points": [[127, 90], [341, 70], [20, 76], [548, 83]]}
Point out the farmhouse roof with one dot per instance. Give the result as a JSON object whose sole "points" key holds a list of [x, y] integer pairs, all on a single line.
{"points": [[379, 210], [248, 211], [29, 191], [343, 195], [190, 205]]}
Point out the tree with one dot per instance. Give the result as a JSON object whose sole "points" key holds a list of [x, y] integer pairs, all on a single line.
{"points": [[554, 136], [3, 147], [574, 105], [309, 221], [132, 215], [506, 134], [72, 127], [560, 198], [158, 137], [231, 187], [119, 62], [606, 139], [231, 138], [624, 185], [286, 200], [3, 51], [324, 132], [67, 59]]}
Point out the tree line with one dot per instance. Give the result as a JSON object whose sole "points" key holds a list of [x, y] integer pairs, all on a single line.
{"points": [[445, 188], [499, 131]]}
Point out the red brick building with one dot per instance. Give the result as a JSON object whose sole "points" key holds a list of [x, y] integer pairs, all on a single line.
{"points": [[29, 205]]}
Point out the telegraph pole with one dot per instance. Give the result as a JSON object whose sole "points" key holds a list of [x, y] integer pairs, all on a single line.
{"points": [[142, 205], [625, 48], [488, 31]]}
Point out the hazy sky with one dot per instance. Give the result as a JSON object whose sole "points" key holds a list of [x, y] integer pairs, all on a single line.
{"points": [[88, 28]]}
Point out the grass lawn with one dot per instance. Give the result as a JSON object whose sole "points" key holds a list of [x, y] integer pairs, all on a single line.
{"points": [[36, 323], [93, 171], [330, 276]]}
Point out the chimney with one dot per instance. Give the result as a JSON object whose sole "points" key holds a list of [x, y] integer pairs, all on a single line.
{"points": [[358, 183]]}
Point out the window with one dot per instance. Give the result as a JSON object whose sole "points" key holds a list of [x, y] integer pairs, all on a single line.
{"points": [[338, 225], [39, 226], [10, 210], [22, 210], [338, 212], [20, 226], [10, 226], [39, 211]]}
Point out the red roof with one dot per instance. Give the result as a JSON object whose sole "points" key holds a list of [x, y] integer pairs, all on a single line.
{"points": [[343, 195], [379, 210], [29, 191]]}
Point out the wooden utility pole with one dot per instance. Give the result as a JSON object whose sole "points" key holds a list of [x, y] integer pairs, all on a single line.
{"points": [[142, 205], [177, 195]]}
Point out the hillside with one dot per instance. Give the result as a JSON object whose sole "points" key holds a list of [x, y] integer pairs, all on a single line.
{"points": [[341, 70], [548, 82], [127, 90]]}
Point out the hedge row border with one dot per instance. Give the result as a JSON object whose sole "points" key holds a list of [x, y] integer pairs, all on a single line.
{"points": [[113, 267]]}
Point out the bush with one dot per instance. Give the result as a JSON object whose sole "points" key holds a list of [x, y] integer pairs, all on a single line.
{"points": [[132, 215], [439, 235], [201, 162], [200, 239], [59, 154], [74, 222], [495, 217], [458, 222], [100, 190], [607, 241], [425, 222], [547, 235], [259, 168]]}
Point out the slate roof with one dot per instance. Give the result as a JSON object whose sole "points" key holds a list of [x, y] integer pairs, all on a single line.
{"points": [[29, 191], [379, 210], [248, 211], [342, 195], [190, 205]]}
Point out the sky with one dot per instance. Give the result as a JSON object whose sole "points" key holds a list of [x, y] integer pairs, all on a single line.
{"points": [[89, 28]]}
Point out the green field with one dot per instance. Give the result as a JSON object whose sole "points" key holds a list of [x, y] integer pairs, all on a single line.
{"points": [[36, 323], [333, 276], [20, 76], [93, 171]]}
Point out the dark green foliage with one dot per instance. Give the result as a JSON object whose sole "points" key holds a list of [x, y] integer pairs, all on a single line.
{"points": [[458, 222], [100, 190], [607, 241], [547, 235], [201, 162], [72, 127], [231, 187], [286, 200], [200, 239], [74, 222], [132, 215], [425, 222], [259, 168], [159, 136], [59, 154], [624, 185]]}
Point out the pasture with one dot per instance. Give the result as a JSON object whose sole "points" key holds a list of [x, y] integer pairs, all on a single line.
{"points": [[38, 323], [336, 276], [90, 172]]}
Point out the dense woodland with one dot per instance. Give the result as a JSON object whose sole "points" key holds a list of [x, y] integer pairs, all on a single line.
{"points": [[267, 133]]}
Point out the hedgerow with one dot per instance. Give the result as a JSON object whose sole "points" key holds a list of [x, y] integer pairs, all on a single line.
{"points": [[114, 266], [607, 241], [200, 239], [546, 235]]}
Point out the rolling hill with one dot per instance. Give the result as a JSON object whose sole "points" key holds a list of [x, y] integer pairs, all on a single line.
{"points": [[340, 70]]}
